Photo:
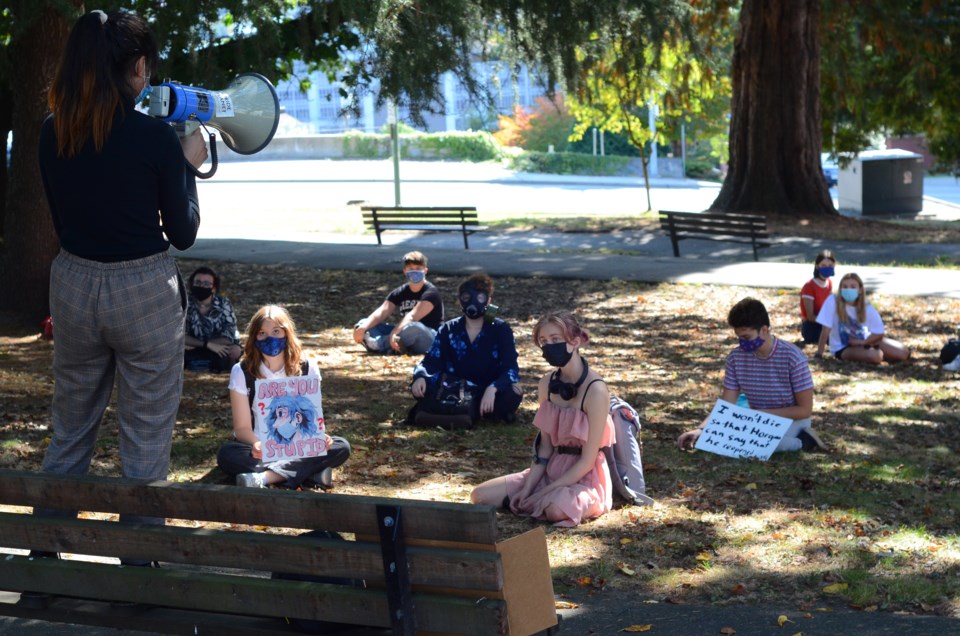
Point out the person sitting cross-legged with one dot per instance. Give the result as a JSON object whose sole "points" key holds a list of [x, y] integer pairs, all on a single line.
{"points": [[421, 312], [773, 375]]}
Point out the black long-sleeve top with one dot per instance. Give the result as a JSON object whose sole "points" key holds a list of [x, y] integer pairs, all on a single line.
{"points": [[132, 199]]}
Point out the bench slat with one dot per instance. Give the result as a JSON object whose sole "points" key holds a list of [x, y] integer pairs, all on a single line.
{"points": [[716, 226], [372, 208], [435, 566], [246, 595], [429, 520]]}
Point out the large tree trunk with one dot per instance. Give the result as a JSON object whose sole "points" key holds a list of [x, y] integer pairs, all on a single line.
{"points": [[775, 135], [30, 241]]}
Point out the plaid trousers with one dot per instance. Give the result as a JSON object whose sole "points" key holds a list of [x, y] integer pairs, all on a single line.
{"points": [[121, 320]]}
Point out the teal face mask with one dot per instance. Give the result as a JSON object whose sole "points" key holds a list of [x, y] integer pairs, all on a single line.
{"points": [[850, 295]]}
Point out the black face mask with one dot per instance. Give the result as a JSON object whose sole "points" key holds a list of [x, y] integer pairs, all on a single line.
{"points": [[201, 293], [566, 390], [556, 354], [473, 302]]}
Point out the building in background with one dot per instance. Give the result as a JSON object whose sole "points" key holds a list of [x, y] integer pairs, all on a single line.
{"points": [[320, 110]]}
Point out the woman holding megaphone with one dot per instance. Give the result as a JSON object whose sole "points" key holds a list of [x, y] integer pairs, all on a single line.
{"points": [[120, 194]]}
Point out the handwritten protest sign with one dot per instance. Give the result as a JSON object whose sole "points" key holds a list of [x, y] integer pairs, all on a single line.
{"points": [[735, 431], [289, 418]]}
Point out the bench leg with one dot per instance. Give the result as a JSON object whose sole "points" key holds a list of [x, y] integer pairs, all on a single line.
{"points": [[466, 245], [676, 245], [756, 256]]}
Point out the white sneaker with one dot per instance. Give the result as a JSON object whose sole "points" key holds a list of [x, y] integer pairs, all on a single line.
{"points": [[953, 365], [324, 478], [252, 480], [370, 342]]}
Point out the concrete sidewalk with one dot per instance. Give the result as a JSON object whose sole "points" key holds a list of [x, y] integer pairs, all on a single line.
{"points": [[634, 256]]}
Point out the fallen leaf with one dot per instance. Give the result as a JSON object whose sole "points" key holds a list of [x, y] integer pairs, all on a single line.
{"points": [[584, 581], [625, 569], [561, 605], [637, 628], [871, 608], [750, 486], [836, 588], [704, 556], [727, 630], [625, 541], [739, 589], [783, 620]]}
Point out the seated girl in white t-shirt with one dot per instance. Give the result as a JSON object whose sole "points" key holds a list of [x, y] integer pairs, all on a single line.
{"points": [[853, 327]]}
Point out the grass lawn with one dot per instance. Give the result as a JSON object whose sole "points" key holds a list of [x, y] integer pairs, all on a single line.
{"points": [[874, 522]]}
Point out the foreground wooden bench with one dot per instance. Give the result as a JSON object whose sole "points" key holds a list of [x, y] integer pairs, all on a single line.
{"points": [[716, 226], [450, 219], [428, 566]]}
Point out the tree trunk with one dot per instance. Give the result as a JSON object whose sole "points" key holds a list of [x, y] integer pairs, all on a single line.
{"points": [[30, 240], [775, 135]]}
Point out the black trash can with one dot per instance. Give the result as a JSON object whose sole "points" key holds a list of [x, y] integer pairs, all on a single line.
{"points": [[882, 182]]}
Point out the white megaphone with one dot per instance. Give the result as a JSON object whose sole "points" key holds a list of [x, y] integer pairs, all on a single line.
{"points": [[246, 113]]}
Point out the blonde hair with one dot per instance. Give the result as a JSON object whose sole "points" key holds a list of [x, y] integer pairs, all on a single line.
{"points": [[860, 303], [253, 357]]}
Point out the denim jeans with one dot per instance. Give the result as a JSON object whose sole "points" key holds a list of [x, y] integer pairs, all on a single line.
{"points": [[415, 339]]}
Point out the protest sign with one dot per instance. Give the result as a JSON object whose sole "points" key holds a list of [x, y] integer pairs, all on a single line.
{"points": [[735, 431], [289, 418]]}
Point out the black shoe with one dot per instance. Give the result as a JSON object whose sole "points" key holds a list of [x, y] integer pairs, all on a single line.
{"points": [[811, 442]]}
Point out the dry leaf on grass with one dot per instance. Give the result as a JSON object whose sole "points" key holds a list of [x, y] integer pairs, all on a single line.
{"points": [[637, 628]]}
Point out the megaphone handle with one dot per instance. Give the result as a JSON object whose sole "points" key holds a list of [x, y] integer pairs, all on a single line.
{"points": [[213, 161]]}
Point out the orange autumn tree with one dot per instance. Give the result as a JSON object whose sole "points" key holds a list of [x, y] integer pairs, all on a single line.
{"points": [[549, 123]]}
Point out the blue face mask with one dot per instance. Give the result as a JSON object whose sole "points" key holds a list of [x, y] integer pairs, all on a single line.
{"points": [[825, 272], [287, 430], [143, 94], [416, 276], [849, 294], [750, 345], [271, 345]]}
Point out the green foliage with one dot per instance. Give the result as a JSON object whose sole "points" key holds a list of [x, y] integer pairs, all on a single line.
{"points": [[358, 145], [461, 145], [569, 163], [455, 146], [888, 66]]}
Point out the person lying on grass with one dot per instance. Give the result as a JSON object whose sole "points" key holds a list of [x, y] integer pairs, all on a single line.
{"points": [[773, 375]]}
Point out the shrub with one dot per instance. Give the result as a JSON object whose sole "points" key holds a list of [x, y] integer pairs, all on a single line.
{"points": [[455, 146], [569, 163]]}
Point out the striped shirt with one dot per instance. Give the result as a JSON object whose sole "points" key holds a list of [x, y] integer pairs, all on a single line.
{"points": [[771, 382]]}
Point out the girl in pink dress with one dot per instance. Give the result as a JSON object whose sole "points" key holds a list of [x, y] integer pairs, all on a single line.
{"points": [[568, 480]]}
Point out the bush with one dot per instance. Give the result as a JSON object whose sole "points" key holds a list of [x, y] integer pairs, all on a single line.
{"points": [[455, 146], [569, 163], [460, 145]]}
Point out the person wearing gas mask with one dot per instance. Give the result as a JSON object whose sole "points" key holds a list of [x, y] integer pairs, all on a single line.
{"points": [[568, 480], [212, 341], [479, 348], [421, 312], [272, 351], [771, 373]]}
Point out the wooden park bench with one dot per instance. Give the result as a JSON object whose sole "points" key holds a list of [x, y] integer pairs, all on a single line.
{"points": [[450, 219], [427, 566], [716, 226]]}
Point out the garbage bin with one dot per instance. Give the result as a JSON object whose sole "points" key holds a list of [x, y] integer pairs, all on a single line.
{"points": [[882, 182]]}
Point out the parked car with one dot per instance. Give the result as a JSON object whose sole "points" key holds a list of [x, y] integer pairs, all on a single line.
{"points": [[831, 170]]}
